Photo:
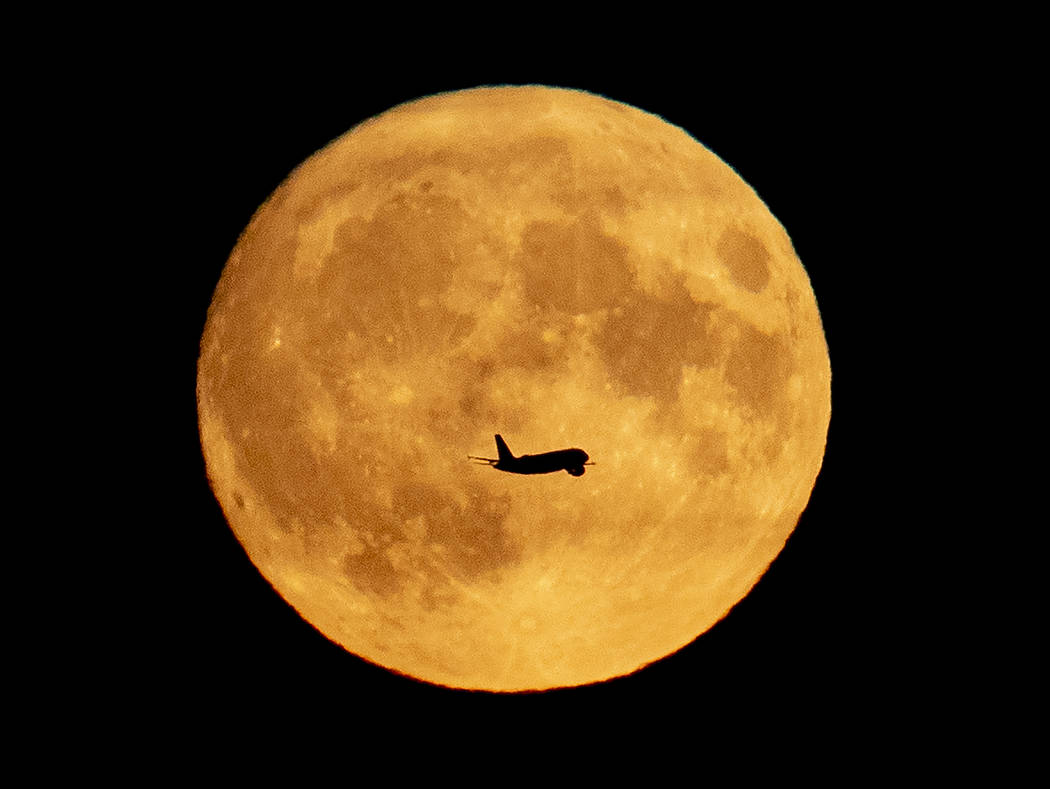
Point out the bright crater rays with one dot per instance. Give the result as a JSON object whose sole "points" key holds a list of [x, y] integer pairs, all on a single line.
{"points": [[560, 269]]}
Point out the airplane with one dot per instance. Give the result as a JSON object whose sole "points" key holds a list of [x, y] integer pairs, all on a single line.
{"points": [[571, 460]]}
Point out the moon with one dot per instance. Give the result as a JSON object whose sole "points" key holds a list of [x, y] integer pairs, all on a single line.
{"points": [[553, 266]]}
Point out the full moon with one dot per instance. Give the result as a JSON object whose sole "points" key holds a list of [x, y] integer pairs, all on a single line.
{"points": [[555, 267]]}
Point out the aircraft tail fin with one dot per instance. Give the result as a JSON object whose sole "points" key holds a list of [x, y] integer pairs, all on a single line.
{"points": [[503, 449]]}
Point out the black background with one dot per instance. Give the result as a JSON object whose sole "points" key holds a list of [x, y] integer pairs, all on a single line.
{"points": [[822, 635]]}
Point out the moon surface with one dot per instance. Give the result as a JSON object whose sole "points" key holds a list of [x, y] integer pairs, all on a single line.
{"points": [[546, 264]]}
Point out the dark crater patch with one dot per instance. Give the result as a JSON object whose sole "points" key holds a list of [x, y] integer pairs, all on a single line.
{"points": [[372, 572], [709, 452], [572, 268], [470, 539], [261, 399], [471, 535], [746, 258], [758, 368], [648, 338], [385, 276]]}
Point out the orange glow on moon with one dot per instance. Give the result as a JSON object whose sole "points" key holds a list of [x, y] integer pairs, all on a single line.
{"points": [[546, 264]]}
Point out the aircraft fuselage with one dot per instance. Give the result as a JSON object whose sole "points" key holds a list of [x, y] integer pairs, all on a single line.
{"points": [[561, 460]]}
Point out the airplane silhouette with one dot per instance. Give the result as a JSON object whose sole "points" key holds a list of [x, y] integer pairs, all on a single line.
{"points": [[571, 460]]}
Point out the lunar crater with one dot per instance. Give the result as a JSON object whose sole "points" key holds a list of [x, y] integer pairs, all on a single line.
{"points": [[746, 258]]}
